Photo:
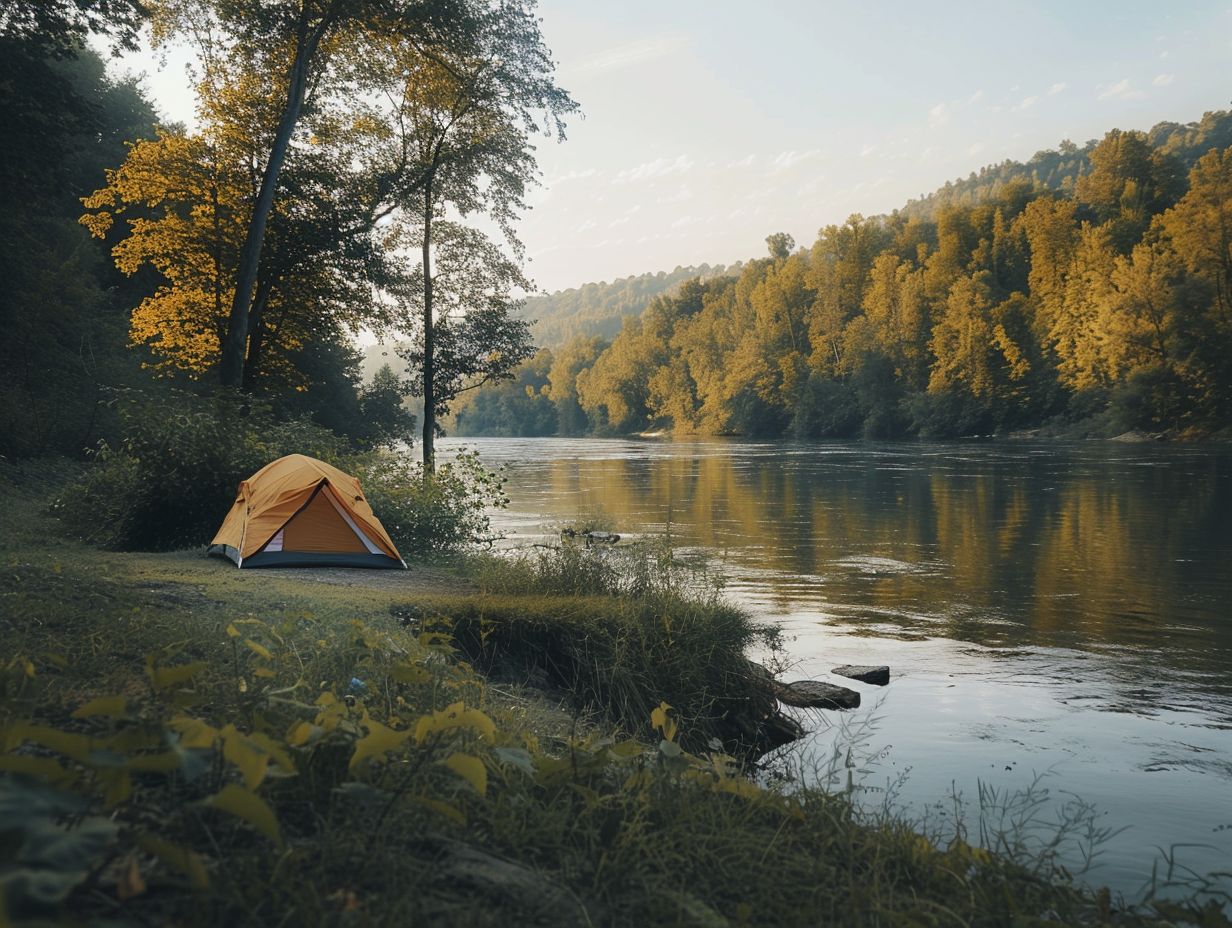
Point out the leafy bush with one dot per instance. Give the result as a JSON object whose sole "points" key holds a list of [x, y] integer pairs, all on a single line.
{"points": [[173, 477], [440, 515], [952, 413]]}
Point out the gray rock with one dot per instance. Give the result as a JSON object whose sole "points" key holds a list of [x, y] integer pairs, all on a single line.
{"points": [[815, 694], [865, 673]]}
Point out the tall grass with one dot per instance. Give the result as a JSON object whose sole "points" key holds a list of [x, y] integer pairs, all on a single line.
{"points": [[199, 746]]}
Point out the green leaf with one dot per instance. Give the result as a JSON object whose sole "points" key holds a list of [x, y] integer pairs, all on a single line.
{"points": [[42, 768], [156, 763], [471, 769], [244, 803], [516, 757], [119, 786]]}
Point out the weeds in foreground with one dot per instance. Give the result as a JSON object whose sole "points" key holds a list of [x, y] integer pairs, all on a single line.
{"points": [[213, 754]]}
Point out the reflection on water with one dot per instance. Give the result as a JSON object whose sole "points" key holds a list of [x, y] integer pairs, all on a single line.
{"points": [[1064, 607]]}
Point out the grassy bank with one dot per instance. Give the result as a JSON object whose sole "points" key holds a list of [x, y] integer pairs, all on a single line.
{"points": [[187, 743]]}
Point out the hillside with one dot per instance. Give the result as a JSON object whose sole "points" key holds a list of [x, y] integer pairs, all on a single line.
{"points": [[598, 309], [1059, 168], [1085, 291]]}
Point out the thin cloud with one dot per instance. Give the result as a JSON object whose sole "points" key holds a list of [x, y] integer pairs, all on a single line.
{"points": [[1057, 88], [631, 53], [1121, 90], [571, 175], [1026, 103], [940, 115], [1163, 80], [650, 170], [785, 161]]}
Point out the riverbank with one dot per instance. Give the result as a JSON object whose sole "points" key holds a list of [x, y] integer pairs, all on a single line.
{"points": [[280, 747]]}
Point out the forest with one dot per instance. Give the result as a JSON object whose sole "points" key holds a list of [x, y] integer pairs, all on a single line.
{"points": [[152, 268], [1087, 291]]}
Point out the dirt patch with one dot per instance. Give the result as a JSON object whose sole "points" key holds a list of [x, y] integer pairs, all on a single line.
{"points": [[417, 580]]}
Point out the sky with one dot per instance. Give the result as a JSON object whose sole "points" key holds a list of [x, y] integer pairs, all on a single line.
{"points": [[709, 125]]}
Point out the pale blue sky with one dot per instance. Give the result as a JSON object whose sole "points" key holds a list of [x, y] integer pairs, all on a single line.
{"points": [[709, 125]]}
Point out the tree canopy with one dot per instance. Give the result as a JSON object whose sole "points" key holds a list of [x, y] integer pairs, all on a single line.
{"points": [[1099, 294]]}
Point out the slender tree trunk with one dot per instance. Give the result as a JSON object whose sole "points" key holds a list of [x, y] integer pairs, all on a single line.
{"points": [[231, 367], [429, 359], [256, 335]]}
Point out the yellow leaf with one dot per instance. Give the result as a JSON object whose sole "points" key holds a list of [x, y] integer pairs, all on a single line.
{"points": [[738, 786], [259, 648], [181, 859], [246, 804], [410, 673], [232, 631], [454, 717], [275, 750], [443, 808], [78, 747], [299, 733], [471, 769], [377, 742], [110, 706], [194, 733], [251, 759], [164, 677], [130, 883], [264, 673], [665, 723]]}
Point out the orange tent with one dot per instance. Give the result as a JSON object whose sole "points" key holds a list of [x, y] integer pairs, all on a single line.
{"points": [[299, 511]]}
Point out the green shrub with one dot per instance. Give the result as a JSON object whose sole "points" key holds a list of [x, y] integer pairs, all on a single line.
{"points": [[172, 478], [444, 514], [173, 475]]}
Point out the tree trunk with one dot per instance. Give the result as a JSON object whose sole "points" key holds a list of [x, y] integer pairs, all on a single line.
{"points": [[231, 366], [256, 335], [429, 360]]}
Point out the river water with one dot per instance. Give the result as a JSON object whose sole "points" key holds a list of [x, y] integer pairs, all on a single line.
{"points": [[1054, 609]]}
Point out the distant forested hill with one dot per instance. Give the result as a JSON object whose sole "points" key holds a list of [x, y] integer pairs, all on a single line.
{"points": [[1059, 168], [1087, 290], [599, 309]]}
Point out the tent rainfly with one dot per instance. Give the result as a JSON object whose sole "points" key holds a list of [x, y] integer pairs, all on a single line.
{"points": [[298, 511]]}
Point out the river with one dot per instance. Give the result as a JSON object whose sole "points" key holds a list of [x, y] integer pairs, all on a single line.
{"points": [[1054, 609]]}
